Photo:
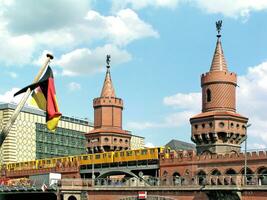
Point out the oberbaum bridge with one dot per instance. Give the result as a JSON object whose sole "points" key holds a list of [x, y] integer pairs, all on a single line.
{"points": [[217, 169]]}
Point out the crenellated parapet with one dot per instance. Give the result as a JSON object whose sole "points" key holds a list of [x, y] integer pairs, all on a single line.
{"points": [[108, 101], [189, 163]]}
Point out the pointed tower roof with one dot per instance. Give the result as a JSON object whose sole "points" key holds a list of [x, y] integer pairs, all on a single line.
{"points": [[218, 61], [108, 89]]}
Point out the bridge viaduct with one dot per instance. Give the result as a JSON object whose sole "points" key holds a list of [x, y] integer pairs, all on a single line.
{"points": [[75, 191]]}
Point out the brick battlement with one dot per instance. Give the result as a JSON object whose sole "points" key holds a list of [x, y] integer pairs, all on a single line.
{"points": [[108, 101], [184, 157], [218, 76]]}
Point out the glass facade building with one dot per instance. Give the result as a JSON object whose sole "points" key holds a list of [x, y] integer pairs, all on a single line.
{"points": [[29, 138]]}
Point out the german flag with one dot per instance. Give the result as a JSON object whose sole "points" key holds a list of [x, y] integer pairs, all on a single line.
{"points": [[44, 96]]}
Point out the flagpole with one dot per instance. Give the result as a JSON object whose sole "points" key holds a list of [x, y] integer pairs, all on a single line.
{"points": [[22, 102]]}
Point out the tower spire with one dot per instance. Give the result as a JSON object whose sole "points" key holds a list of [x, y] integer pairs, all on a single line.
{"points": [[218, 61], [108, 89]]}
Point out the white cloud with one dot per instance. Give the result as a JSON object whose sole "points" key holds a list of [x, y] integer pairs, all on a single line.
{"points": [[73, 86], [8, 96], [16, 49], [230, 8], [86, 61], [13, 74], [149, 145], [184, 101], [26, 17], [252, 101], [136, 5], [121, 29], [256, 146], [176, 119], [62, 26], [142, 125]]}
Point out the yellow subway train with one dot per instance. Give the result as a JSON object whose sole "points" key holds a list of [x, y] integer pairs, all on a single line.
{"points": [[88, 159]]}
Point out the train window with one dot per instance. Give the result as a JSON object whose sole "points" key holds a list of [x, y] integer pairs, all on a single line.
{"points": [[48, 161], [116, 154], [97, 156], [144, 152], [85, 157], [137, 152], [129, 153], [17, 165], [104, 155], [152, 151], [109, 155], [121, 153], [91, 157]]}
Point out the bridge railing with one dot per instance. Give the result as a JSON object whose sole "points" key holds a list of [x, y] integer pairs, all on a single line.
{"points": [[212, 180]]}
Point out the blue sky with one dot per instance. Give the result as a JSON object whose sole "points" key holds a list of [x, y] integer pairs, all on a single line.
{"points": [[159, 49]]}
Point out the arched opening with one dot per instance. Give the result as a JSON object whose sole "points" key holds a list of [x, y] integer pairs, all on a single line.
{"points": [[208, 95], [230, 178], [201, 177], [176, 177], [72, 198], [249, 177], [262, 175], [215, 177]]}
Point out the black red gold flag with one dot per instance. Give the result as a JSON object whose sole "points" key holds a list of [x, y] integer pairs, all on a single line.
{"points": [[44, 96]]}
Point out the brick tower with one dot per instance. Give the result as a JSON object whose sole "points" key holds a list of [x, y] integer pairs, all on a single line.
{"points": [[108, 134], [218, 129]]}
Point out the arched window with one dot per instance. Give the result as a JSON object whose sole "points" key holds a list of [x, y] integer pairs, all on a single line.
{"points": [[208, 95]]}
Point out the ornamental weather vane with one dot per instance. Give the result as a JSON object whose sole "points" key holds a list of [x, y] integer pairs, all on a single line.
{"points": [[219, 27], [108, 61]]}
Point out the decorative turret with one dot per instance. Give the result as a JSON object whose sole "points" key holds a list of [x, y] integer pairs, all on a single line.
{"points": [[218, 129], [108, 133]]}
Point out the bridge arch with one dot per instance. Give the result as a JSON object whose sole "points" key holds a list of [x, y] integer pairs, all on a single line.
{"points": [[72, 198], [230, 171], [249, 171], [110, 173], [202, 176], [230, 177], [215, 172], [152, 197], [215, 177], [262, 175], [176, 177]]}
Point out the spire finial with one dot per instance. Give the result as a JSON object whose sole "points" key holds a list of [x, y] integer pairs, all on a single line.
{"points": [[219, 27], [108, 60]]}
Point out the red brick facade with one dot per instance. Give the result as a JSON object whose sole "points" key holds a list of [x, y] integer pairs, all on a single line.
{"points": [[108, 134], [218, 129]]}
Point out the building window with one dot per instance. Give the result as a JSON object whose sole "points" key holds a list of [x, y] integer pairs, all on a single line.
{"points": [[208, 95], [221, 124], [106, 139]]}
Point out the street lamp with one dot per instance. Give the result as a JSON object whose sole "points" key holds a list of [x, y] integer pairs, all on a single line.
{"points": [[246, 137], [93, 167]]}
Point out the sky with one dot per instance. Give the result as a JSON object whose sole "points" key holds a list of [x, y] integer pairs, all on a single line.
{"points": [[158, 48]]}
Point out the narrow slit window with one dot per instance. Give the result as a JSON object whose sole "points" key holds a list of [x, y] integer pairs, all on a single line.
{"points": [[208, 95]]}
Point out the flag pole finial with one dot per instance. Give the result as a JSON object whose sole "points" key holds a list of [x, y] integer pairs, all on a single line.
{"points": [[219, 27], [108, 60], [49, 55]]}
